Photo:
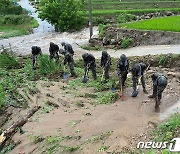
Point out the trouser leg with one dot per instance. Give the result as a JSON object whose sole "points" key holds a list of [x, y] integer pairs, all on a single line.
{"points": [[106, 73], [124, 77], [135, 82], [93, 69], [143, 84], [34, 58], [57, 57], [71, 67]]}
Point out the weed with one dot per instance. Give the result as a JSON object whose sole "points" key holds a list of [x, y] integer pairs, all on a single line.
{"points": [[103, 148], [126, 42], [36, 139], [8, 148], [163, 59], [71, 148], [101, 28], [46, 109], [46, 66], [123, 18], [100, 137], [2, 96], [107, 97], [8, 61], [169, 129]]}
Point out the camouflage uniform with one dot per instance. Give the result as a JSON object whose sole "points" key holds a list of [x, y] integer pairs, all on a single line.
{"points": [[35, 52], [138, 72], [68, 48], [68, 58], [53, 50], [122, 68], [159, 84], [90, 63], [105, 63]]}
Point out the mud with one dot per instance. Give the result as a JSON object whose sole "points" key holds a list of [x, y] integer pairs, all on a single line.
{"points": [[129, 120]]}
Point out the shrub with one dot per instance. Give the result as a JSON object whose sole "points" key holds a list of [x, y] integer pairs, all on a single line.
{"points": [[62, 14], [126, 42]]}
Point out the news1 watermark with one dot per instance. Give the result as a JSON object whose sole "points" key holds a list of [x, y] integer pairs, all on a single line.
{"points": [[173, 146]]}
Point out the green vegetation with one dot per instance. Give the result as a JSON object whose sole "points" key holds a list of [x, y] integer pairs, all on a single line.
{"points": [[168, 130], [2, 96], [164, 24], [96, 47], [163, 59], [126, 42], [135, 11], [8, 61], [12, 79], [107, 97], [123, 18], [63, 15], [14, 20]]}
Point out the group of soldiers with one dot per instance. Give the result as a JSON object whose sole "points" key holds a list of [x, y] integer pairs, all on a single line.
{"points": [[137, 70]]}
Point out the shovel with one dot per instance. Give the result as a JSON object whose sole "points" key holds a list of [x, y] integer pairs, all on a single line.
{"points": [[85, 79], [65, 74]]}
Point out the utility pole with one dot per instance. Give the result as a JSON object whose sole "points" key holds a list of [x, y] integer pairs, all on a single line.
{"points": [[90, 18]]}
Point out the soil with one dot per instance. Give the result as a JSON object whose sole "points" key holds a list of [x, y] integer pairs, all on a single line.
{"points": [[113, 37], [129, 121]]}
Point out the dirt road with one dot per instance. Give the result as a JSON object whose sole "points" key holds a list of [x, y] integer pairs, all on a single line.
{"points": [[22, 45]]}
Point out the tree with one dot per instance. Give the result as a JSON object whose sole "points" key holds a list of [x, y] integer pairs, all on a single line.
{"points": [[63, 14]]}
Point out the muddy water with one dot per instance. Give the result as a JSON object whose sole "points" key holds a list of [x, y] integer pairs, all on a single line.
{"points": [[175, 108], [44, 26]]}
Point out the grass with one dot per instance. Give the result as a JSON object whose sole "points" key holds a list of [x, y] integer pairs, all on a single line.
{"points": [[7, 31], [164, 24]]}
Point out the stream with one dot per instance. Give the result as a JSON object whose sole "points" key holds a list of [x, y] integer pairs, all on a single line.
{"points": [[44, 26]]}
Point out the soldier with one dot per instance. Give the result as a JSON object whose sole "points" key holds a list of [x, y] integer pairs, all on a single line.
{"points": [[35, 52], [89, 63], [68, 48], [159, 84], [53, 50], [138, 74], [105, 64], [68, 58], [122, 68]]}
